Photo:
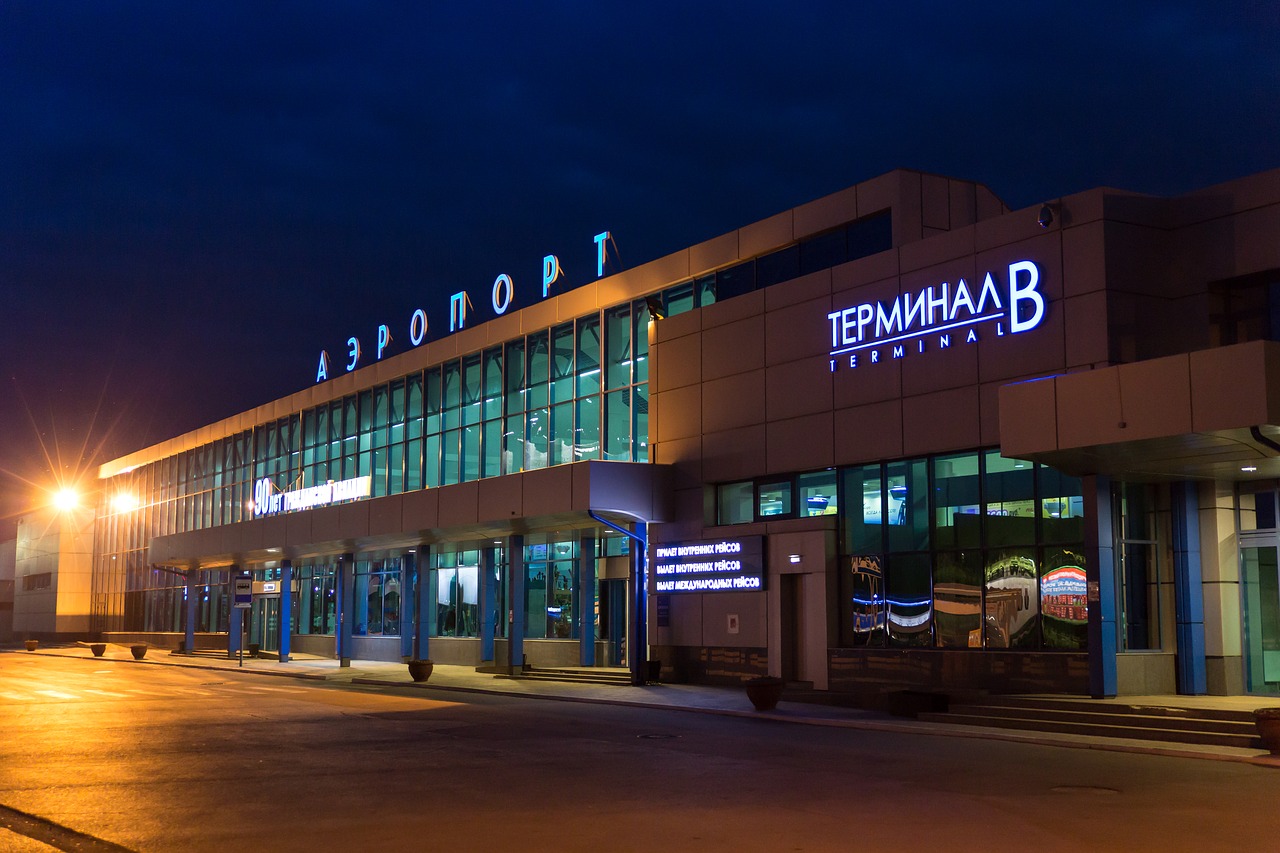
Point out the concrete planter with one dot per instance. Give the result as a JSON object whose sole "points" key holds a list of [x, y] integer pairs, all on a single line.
{"points": [[420, 670], [1268, 722], [32, 645], [139, 650], [97, 649], [764, 692]]}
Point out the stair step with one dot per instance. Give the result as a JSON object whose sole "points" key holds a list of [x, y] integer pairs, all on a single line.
{"points": [[1103, 715], [1036, 705], [1243, 741], [574, 676]]}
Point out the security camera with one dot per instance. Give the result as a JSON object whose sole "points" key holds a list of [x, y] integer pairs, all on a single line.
{"points": [[1046, 215]]}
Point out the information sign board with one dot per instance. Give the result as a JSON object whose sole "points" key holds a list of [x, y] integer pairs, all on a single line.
{"points": [[243, 593], [710, 565]]}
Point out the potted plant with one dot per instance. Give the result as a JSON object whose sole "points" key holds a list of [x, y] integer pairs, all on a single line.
{"points": [[32, 645], [420, 670], [97, 649], [764, 692], [139, 650], [1268, 722]]}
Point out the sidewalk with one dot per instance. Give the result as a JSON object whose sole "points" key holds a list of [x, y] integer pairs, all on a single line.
{"points": [[690, 698]]}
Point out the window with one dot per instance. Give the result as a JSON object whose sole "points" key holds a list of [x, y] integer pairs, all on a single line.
{"points": [[735, 503], [775, 500], [817, 493]]}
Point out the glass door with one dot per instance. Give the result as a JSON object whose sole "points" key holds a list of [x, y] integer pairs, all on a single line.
{"points": [[1260, 584], [265, 624]]}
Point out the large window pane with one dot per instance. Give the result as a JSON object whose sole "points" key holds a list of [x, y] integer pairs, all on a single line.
{"points": [[957, 593], [907, 505], [957, 502], [1064, 600], [864, 513], [1061, 507], [617, 347], [909, 593], [617, 425], [1011, 508], [1012, 605], [863, 604], [588, 366]]}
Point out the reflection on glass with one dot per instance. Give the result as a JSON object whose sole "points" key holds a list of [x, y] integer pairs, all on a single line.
{"points": [[957, 591], [1012, 602], [1064, 599], [909, 595], [866, 623]]}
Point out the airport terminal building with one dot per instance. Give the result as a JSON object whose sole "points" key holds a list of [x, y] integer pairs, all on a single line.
{"points": [[898, 437]]}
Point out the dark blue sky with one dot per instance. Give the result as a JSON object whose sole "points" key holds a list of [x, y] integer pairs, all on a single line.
{"points": [[196, 198]]}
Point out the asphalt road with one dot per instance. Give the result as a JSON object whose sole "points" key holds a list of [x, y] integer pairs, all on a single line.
{"points": [[154, 758]]}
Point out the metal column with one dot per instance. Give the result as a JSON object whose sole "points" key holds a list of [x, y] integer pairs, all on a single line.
{"points": [[488, 602], [515, 601], [236, 626], [286, 609], [1188, 591], [586, 611], [426, 609], [345, 587], [191, 588], [1100, 574], [406, 605], [638, 647]]}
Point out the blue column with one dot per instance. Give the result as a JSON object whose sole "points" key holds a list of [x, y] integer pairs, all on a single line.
{"points": [[345, 587], [286, 609], [1100, 573], [515, 602], [638, 644], [407, 609], [1188, 590], [488, 601], [584, 605], [426, 609], [236, 626], [191, 592]]}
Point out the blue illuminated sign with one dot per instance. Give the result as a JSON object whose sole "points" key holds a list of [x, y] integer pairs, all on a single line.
{"points": [[709, 565], [871, 332], [502, 297]]}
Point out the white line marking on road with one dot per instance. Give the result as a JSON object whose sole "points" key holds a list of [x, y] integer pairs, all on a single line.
{"points": [[57, 694]]}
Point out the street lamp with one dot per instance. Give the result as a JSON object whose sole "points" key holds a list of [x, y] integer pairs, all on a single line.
{"points": [[66, 499]]}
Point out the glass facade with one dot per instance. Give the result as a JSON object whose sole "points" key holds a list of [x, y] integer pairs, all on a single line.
{"points": [[571, 392], [968, 550]]}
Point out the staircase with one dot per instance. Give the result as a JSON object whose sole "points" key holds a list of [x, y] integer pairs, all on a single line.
{"points": [[1203, 726], [582, 675]]}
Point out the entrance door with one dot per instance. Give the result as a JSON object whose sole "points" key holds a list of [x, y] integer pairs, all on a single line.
{"points": [[1260, 584], [613, 619], [265, 626]]}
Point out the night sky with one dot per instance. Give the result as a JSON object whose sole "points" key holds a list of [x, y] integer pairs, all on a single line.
{"points": [[196, 198]]}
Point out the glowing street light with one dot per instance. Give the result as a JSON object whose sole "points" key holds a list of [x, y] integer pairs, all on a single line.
{"points": [[124, 502], [66, 499]]}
